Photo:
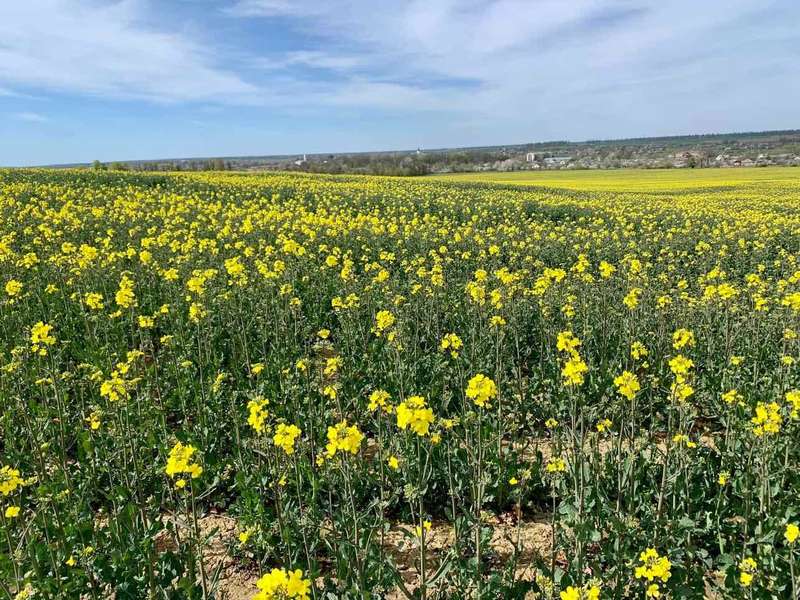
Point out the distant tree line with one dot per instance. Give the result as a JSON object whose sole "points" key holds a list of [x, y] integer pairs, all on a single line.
{"points": [[693, 151], [211, 164]]}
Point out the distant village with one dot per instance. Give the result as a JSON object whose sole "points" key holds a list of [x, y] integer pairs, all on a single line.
{"points": [[734, 150], [678, 160], [759, 149]]}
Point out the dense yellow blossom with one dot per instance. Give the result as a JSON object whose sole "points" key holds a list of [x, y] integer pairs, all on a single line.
{"points": [[180, 461], [415, 414], [481, 389], [343, 438], [285, 436], [280, 584]]}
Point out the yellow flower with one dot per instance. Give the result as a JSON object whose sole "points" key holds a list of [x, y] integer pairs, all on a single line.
{"points": [[125, 296], [94, 420], [393, 462], [723, 478], [94, 300], [587, 592], [9, 480], [606, 269], [603, 425], [196, 312], [556, 465], [415, 414], [13, 288], [426, 526], [114, 388], [681, 390], [574, 371], [732, 397], [452, 343], [627, 384], [12, 512], [342, 438], [379, 399], [257, 413], [279, 584], [383, 321], [680, 438], [653, 566], [747, 570], [680, 365], [631, 299], [41, 337], [682, 338], [285, 436], [180, 461], [497, 321], [332, 366], [791, 533], [767, 419], [793, 398], [481, 390], [571, 593], [567, 342], [256, 368], [638, 350]]}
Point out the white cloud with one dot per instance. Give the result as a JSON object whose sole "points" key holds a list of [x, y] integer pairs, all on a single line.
{"points": [[532, 61], [104, 49], [31, 117], [310, 58]]}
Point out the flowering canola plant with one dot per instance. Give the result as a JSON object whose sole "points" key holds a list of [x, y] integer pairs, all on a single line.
{"points": [[549, 379]]}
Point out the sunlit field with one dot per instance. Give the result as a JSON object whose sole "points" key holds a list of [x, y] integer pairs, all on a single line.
{"points": [[639, 180], [288, 386]]}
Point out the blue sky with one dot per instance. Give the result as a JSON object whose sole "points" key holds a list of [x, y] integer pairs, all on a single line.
{"points": [[135, 79]]}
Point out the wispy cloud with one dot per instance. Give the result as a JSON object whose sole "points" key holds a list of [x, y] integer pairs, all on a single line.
{"points": [[314, 59], [31, 117], [520, 59], [106, 50]]}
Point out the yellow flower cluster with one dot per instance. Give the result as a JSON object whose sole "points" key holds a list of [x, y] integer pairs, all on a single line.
{"points": [[343, 438], [41, 337], [627, 384], [285, 436], [180, 462], [574, 369], [452, 343], [414, 413], [653, 566], [280, 584], [481, 389], [767, 419], [257, 413], [587, 592], [9, 480]]}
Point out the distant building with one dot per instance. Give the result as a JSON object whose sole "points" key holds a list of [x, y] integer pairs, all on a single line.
{"points": [[531, 157], [557, 161]]}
